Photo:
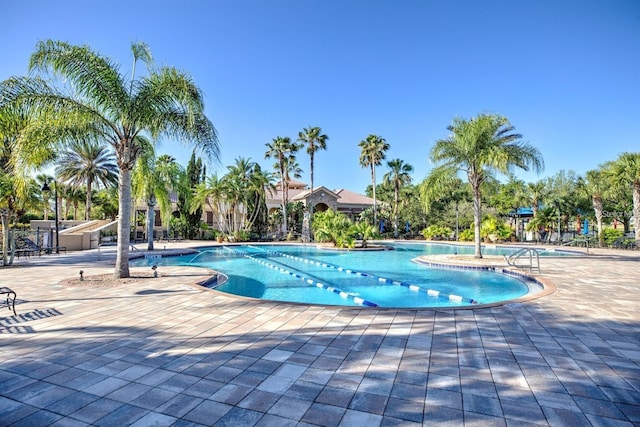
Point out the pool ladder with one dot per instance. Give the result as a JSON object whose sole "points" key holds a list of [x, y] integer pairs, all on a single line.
{"points": [[522, 253]]}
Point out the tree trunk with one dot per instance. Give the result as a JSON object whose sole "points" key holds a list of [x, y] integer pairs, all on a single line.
{"points": [[284, 198], [5, 238], [477, 218], [87, 212], [597, 208], [124, 224], [373, 184], [395, 210], [311, 204], [151, 220], [636, 210]]}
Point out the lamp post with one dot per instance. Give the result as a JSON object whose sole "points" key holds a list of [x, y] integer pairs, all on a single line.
{"points": [[45, 187]]}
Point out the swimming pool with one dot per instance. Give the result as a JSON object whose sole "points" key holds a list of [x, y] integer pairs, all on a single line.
{"points": [[389, 278]]}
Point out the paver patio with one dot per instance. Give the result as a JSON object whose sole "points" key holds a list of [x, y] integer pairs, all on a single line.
{"points": [[162, 352]]}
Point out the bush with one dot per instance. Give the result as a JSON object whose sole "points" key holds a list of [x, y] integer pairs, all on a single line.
{"points": [[467, 235], [610, 235], [492, 226], [436, 232]]}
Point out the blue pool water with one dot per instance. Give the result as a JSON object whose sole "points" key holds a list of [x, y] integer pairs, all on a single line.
{"points": [[308, 274]]}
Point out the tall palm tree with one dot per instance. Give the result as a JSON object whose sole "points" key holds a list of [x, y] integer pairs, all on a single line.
{"points": [[252, 183], [87, 162], [478, 147], [398, 176], [99, 104], [280, 149], [537, 192], [74, 196], [595, 186], [625, 170], [152, 180], [211, 193], [315, 140], [372, 153]]}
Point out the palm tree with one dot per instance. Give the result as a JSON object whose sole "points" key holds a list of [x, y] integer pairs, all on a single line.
{"points": [[74, 196], [153, 179], [372, 153], [537, 192], [478, 147], [595, 186], [315, 140], [86, 162], [398, 176], [364, 231], [280, 149], [625, 170], [211, 193], [99, 104]]}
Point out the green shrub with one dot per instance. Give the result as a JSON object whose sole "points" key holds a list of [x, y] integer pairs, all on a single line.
{"points": [[467, 235], [610, 235], [436, 232], [492, 226], [330, 226]]}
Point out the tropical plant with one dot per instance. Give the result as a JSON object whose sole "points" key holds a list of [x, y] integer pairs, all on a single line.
{"points": [[211, 193], [625, 170], [564, 194], [479, 147], [595, 186], [98, 103], [511, 197], [333, 227], [153, 179], [363, 231], [195, 173], [314, 140], [17, 190], [106, 205], [467, 235], [280, 149], [436, 232], [87, 162], [611, 236], [372, 152], [544, 222], [536, 193], [493, 229], [398, 177]]}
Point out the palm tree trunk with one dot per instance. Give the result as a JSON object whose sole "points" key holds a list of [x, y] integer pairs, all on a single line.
{"points": [[373, 184], [597, 208], [636, 209], [124, 224], [284, 198], [477, 217], [87, 211], [395, 209], [311, 206], [5, 238], [151, 219]]}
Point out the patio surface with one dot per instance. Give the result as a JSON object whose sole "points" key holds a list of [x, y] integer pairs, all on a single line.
{"points": [[161, 352]]}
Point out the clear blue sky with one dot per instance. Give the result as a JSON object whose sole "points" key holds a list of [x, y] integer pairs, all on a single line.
{"points": [[565, 72]]}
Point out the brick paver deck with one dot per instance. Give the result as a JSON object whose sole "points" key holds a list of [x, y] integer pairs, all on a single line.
{"points": [[162, 353]]}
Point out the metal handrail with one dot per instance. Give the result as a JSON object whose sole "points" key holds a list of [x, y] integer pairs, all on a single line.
{"points": [[511, 260]]}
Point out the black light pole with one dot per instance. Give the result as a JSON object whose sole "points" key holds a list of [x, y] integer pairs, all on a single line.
{"points": [[45, 187]]}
